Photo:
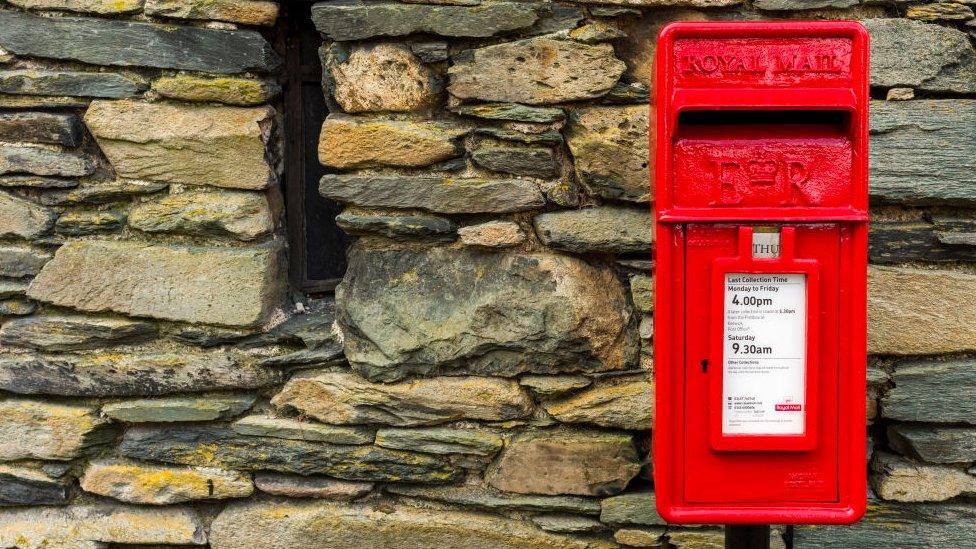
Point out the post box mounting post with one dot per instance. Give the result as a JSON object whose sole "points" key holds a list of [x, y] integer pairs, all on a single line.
{"points": [[739, 536]]}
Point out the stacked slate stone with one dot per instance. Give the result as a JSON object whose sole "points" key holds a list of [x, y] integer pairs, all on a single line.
{"points": [[483, 377]]}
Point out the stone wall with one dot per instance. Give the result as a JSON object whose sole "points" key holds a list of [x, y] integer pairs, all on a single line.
{"points": [[483, 376]]}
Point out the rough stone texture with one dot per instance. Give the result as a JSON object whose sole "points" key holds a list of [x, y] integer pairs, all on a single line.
{"points": [[634, 537], [34, 429], [493, 234], [642, 292], [919, 151], [243, 92], [395, 225], [343, 398], [609, 146], [784, 5], [295, 486], [173, 409], [356, 142], [121, 43], [567, 524], [163, 281], [23, 218], [73, 332], [35, 182], [41, 127], [400, 314], [28, 486], [511, 111], [934, 443], [101, 192], [92, 526], [355, 21], [215, 446], [596, 230], [548, 386], [12, 288], [301, 524], [631, 508], [434, 193], [916, 311], [896, 478], [914, 526], [943, 240], [245, 12], [586, 463], [381, 77], [921, 55], [18, 159], [196, 145], [529, 161], [18, 261], [160, 485], [88, 223], [932, 390], [243, 215], [131, 373], [441, 441], [292, 429], [535, 71], [492, 500], [105, 7], [626, 403], [16, 307], [84, 84], [940, 11]]}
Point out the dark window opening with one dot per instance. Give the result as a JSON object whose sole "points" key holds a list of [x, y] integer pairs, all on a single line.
{"points": [[317, 253]]}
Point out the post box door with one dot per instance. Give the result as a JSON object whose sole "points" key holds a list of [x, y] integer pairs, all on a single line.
{"points": [[795, 465]]}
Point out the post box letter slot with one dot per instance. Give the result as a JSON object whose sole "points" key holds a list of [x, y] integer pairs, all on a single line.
{"points": [[762, 395]]}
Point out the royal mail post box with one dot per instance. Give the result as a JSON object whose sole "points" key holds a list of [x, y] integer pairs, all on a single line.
{"points": [[760, 332]]}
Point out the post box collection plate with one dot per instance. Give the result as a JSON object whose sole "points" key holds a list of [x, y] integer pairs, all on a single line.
{"points": [[760, 317]]}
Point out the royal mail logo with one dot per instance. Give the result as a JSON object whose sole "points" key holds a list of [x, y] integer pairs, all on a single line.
{"points": [[789, 407], [766, 62], [757, 64]]}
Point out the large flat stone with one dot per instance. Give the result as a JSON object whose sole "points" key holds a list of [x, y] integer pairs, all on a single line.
{"points": [[93, 525], [21, 159], [134, 482], [178, 408], [297, 486], [560, 461], [123, 43], [434, 193], [242, 215], [602, 229], [920, 311], [631, 508], [73, 332], [245, 12], [21, 261], [441, 440], [298, 525], [23, 218], [348, 20], [397, 225], [923, 151], [293, 429], [243, 92], [100, 192], [937, 239], [626, 403], [34, 429], [104, 7], [517, 160], [137, 373], [440, 310], [345, 398], [493, 500], [215, 446], [934, 443], [921, 55], [356, 142], [609, 146], [229, 286], [936, 390], [906, 526], [900, 479], [379, 77], [191, 144], [535, 71], [41, 127], [73, 83]]}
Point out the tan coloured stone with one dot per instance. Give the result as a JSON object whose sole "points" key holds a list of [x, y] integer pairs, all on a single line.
{"points": [[345, 398], [384, 77], [562, 461], [34, 429], [297, 486], [93, 526], [916, 311], [621, 404], [23, 218], [244, 215], [493, 234], [610, 151], [697, 539], [535, 71], [300, 525], [293, 429], [244, 92], [82, 6], [642, 292], [161, 485], [355, 142], [635, 537], [191, 144], [899, 479], [245, 12], [228, 286]]}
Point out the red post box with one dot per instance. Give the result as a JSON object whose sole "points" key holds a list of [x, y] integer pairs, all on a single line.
{"points": [[760, 329]]}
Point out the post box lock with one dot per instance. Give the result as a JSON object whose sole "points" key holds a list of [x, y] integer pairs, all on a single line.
{"points": [[761, 201]]}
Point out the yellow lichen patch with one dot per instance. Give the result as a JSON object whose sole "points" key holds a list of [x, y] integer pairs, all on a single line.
{"points": [[143, 483], [229, 90]]}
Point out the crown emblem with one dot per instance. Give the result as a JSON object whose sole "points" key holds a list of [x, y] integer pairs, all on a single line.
{"points": [[762, 172]]}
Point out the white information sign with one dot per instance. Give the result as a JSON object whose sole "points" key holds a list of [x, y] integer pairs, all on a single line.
{"points": [[764, 366]]}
